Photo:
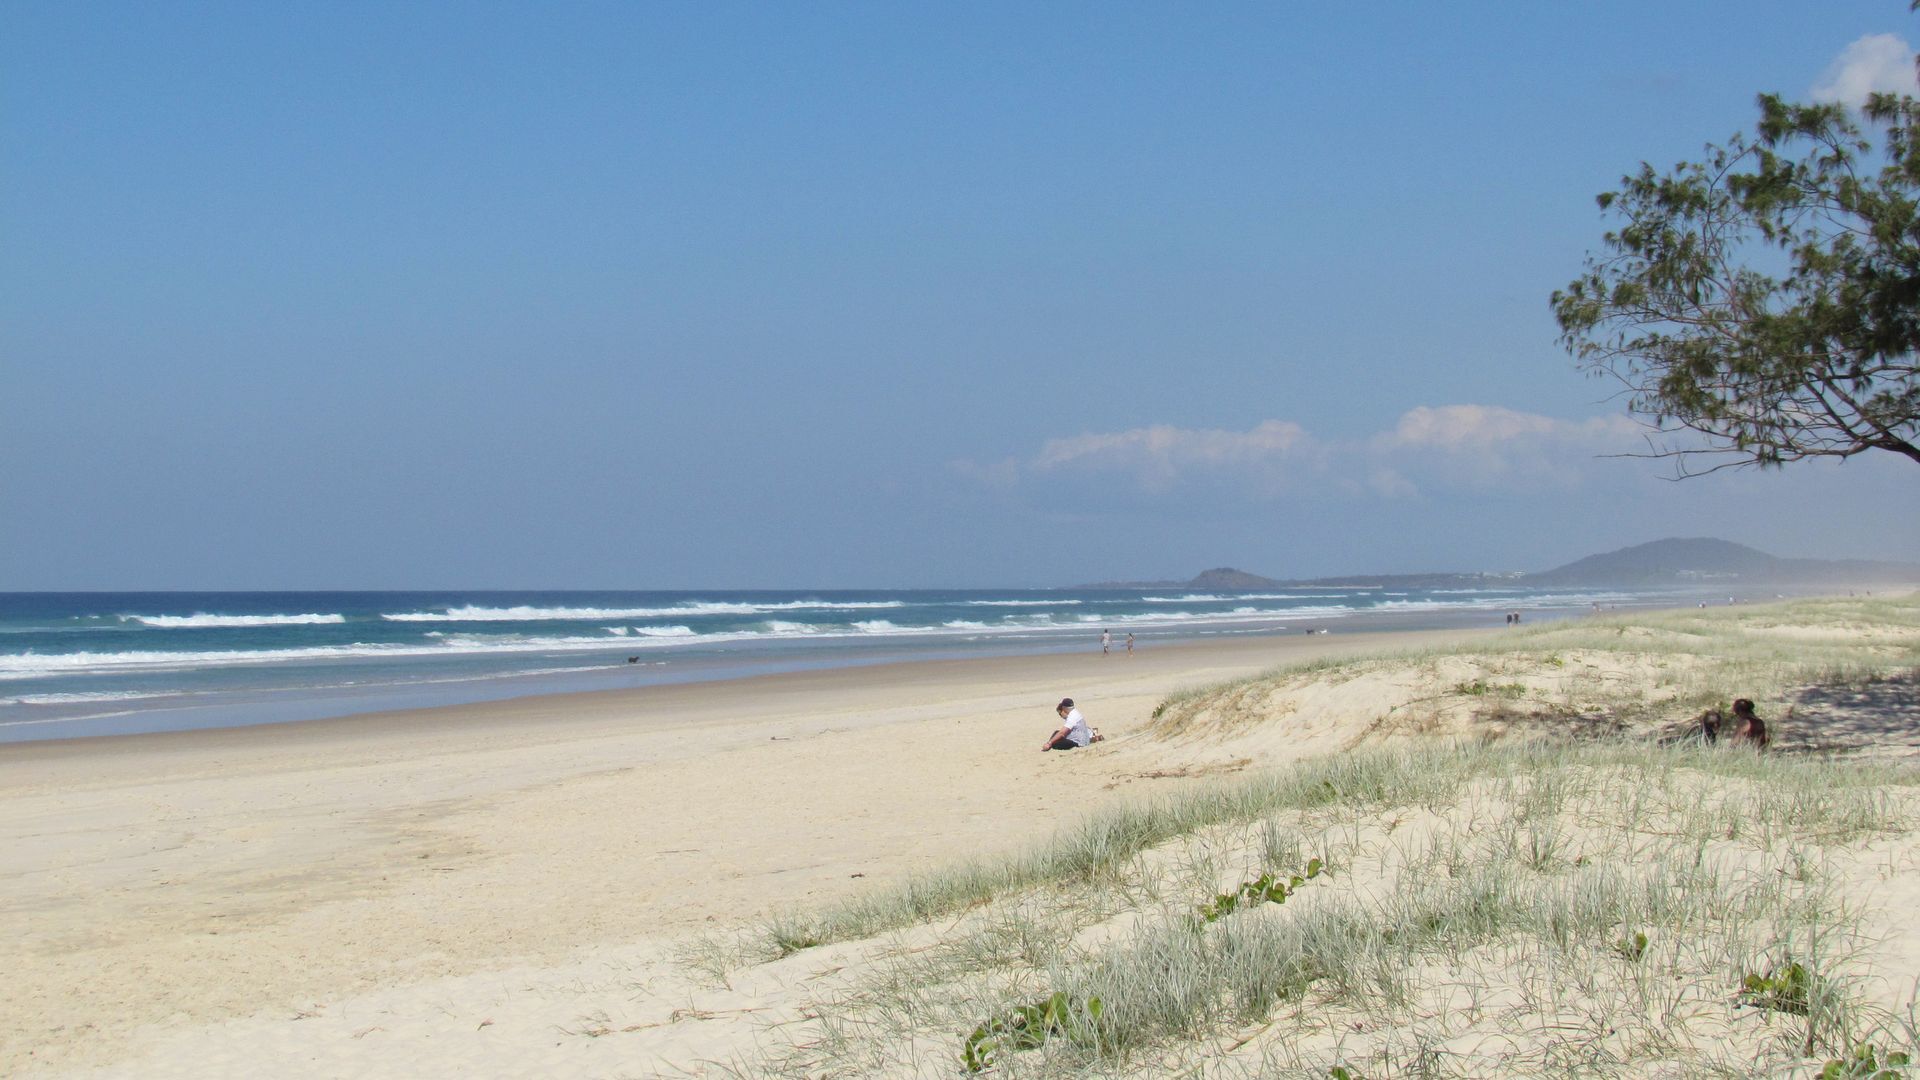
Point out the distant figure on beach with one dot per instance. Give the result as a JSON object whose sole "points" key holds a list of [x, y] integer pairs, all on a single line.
{"points": [[1106, 642], [633, 659], [1748, 729], [1073, 731], [1129, 643]]}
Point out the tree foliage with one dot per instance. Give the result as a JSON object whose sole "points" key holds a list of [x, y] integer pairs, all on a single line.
{"points": [[1762, 305]]}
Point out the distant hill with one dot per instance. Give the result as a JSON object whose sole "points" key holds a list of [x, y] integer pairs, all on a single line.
{"points": [[1219, 579], [1227, 579], [1699, 560], [1691, 561]]}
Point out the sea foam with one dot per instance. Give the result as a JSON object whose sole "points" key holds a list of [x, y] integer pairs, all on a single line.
{"points": [[32, 665], [475, 613], [202, 620], [78, 698], [1214, 598], [1021, 603], [35, 665]]}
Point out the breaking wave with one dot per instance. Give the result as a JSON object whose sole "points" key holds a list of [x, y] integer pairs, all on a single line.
{"points": [[1022, 603], [76, 699], [187, 622], [475, 613]]}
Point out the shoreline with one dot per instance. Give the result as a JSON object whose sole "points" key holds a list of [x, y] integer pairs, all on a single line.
{"points": [[504, 709], [195, 877], [295, 704]]}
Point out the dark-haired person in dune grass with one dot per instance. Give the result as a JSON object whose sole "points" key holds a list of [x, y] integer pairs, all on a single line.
{"points": [[1748, 729]]}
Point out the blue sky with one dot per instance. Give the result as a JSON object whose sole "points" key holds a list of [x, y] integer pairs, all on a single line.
{"points": [[648, 295]]}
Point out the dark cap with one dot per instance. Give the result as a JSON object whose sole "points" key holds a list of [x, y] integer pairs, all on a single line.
{"points": [[1065, 703]]}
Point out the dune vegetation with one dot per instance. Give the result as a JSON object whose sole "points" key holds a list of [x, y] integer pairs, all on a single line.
{"points": [[1506, 859]]}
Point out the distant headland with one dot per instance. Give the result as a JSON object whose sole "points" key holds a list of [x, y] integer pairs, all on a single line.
{"points": [[1674, 561]]}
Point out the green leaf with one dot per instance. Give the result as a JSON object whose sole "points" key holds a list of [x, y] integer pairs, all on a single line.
{"points": [[1784, 989]]}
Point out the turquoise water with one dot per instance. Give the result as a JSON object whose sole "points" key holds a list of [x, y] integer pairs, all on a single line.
{"points": [[76, 664]]}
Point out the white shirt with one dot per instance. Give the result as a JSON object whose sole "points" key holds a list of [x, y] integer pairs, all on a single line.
{"points": [[1077, 731]]}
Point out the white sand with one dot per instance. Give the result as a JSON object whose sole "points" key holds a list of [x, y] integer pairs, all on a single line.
{"points": [[454, 891]]}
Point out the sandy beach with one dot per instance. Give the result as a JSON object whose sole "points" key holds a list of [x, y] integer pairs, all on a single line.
{"points": [[157, 887], [550, 541], [845, 871]]}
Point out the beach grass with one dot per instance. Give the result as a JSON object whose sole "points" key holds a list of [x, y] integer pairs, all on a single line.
{"points": [[1846, 801], [1616, 904], [1629, 670], [1597, 906]]}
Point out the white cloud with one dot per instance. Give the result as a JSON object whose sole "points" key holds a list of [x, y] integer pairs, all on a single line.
{"points": [[1457, 427], [1159, 456], [1388, 483], [1877, 63], [1486, 446], [1429, 447]]}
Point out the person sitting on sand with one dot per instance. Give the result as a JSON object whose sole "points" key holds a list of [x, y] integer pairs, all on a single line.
{"points": [[1748, 729], [1073, 731]]}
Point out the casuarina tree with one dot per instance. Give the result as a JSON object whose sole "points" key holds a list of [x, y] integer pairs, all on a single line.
{"points": [[1762, 305]]}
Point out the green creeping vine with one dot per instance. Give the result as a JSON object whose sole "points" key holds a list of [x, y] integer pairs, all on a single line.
{"points": [[1631, 947], [1266, 887], [1866, 1064], [1481, 688], [1029, 1027], [1784, 989]]}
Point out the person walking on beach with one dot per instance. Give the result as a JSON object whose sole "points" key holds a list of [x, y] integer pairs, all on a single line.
{"points": [[1129, 643], [1073, 731], [1106, 642]]}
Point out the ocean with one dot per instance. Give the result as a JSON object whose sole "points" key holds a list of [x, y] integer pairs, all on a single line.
{"points": [[100, 663]]}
